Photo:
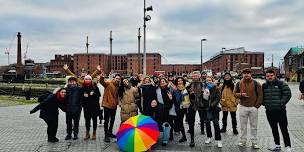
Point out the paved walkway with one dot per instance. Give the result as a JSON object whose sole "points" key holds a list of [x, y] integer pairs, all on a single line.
{"points": [[20, 131]]}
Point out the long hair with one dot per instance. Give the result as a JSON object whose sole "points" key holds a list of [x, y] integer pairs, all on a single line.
{"points": [[229, 83], [121, 88]]}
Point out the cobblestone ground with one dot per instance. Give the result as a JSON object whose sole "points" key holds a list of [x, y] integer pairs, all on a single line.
{"points": [[20, 131]]}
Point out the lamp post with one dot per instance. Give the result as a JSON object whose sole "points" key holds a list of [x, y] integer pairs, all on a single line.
{"points": [[139, 56], [110, 63], [146, 18], [202, 53]]}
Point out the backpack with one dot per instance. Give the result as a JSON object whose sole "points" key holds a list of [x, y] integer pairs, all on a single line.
{"points": [[42, 97], [254, 84]]}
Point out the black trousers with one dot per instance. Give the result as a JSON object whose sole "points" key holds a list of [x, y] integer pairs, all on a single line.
{"points": [[100, 115], [88, 122], [52, 126], [202, 115], [109, 118], [216, 126], [180, 121], [233, 119], [190, 114], [72, 121], [274, 118]]}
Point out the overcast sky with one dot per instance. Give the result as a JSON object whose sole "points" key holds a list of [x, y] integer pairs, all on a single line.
{"points": [[61, 26]]}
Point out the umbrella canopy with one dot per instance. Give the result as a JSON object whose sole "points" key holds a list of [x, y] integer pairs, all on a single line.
{"points": [[138, 133]]}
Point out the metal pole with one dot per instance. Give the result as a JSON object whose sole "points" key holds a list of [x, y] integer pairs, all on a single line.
{"points": [[87, 44], [145, 57], [110, 63], [201, 55], [139, 56]]}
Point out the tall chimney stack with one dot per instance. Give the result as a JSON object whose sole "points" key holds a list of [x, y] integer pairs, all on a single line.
{"points": [[19, 61]]}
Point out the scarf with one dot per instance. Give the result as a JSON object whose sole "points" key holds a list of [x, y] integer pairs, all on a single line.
{"points": [[159, 96]]}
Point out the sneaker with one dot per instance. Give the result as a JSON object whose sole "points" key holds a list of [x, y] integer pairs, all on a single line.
{"points": [[183, 139], [288, 149], [68, 137], [192, 144], [208, 141], [276, 148], [255, 146], [219, 144], [53, 140], [242, 143], [223, 130], [164, 144], [111, 135]]}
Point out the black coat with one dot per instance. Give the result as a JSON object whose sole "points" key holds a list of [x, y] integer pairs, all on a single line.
{"points": [[73, 100], [148, 93], [162, 114], [49, 108], [90, 104], [301, 88]]}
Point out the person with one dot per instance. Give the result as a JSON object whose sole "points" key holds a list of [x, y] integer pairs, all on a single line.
{"points": [[49, 112], [73, 108], [164, 104], [101, 91], [276, 95], [200, 112], [110, 102], [90, 103], [80, 80], [148, 103], [194, 89], [250, 93], [182, 103], [127, 96], [301, 88], [185, 77], [211, 96], [228, 102]]}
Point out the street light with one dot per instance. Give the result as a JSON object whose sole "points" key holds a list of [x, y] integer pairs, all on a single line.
{"points": [[146, 18], [202, 53]]}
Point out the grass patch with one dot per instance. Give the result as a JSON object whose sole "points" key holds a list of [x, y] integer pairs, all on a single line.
{"points": [[15, 100]]}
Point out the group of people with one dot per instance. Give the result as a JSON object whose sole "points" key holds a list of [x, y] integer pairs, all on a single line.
{"points": [[168, 100]]}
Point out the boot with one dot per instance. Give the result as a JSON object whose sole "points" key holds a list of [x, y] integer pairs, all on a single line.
{"points": [[87, 135], [223, 129], [192, 144], [106, 139], [235, 131], [94, 135]]}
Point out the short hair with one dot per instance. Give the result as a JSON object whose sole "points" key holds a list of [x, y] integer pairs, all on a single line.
{"points": [[271, 71]]}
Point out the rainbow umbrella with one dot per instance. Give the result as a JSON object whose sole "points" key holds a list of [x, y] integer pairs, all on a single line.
{"points": [[138, 133]]}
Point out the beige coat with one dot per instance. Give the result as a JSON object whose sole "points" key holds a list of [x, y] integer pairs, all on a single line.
{"points": [[128, 104], [228, 100]]}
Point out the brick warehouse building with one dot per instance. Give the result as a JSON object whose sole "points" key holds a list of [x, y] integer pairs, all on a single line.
{"points": [[121, 63], [56, 65], [234, 60], [179, 69]]}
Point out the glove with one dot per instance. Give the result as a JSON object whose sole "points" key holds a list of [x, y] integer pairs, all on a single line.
{"points": [[32, 111]]}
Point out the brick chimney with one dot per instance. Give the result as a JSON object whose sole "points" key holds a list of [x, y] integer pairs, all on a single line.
{"points": [[19, 61]]}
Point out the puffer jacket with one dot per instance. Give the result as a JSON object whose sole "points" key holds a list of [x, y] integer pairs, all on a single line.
{"points": [[73, 100], [276, 95], [228, 100], [128, 103], [110, 99]]}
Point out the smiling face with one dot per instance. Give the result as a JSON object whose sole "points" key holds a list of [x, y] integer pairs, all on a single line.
{"points": [[163, 83], [246, 75], [62, 93], [126, 82], [227, 77]]}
